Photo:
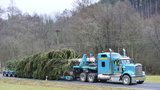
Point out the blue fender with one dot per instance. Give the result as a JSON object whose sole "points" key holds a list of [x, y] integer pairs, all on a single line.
{"points": [[131, 73]]}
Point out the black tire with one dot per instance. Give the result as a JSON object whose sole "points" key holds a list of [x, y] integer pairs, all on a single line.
{"points": [[10, 75], [15, 75], [140, 82], [83, 77], [91, 77], [126, 80]]}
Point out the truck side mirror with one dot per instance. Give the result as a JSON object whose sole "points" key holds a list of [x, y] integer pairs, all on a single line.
{"points": [[132, 60]]}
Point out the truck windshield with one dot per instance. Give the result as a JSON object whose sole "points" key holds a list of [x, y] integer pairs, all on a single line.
{"points": [[115, 55], [126, 61]]}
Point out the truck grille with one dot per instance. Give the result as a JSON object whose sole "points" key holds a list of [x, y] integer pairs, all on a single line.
{"points": [[138, 70]]}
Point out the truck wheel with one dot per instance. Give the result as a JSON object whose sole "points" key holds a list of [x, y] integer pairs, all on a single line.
{"points": [[126, 80], [83, 77], [4, 75], [10, 75], [140, 82], [91, 77]]}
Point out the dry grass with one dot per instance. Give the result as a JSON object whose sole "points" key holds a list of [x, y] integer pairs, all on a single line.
{"points": [[14, 84], [153, 79]]}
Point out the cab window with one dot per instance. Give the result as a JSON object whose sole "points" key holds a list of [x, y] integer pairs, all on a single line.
{"points": [[117, 62], [103, 64], [103, 55]]}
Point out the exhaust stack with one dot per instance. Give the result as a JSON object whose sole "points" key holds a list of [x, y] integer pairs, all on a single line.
{"points": [[111, 67], [124, 52]]}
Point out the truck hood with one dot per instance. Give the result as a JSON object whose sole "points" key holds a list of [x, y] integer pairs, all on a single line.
{"points": [[131, 67]]}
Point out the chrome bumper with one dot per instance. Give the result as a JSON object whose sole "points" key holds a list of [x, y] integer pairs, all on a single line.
{"points": [[136, 79]]}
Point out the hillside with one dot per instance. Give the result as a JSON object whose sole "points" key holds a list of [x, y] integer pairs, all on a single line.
{"points": [[146, 8], [87, 28]]}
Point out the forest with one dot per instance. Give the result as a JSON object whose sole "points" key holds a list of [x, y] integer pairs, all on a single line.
{"points": [[89, 27]]}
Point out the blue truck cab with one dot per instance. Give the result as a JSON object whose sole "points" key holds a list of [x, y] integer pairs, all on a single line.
{"points": [[110, 67], [117, 68]]}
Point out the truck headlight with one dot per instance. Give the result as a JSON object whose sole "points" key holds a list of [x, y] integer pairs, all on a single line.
{"points": [[133, 74]]}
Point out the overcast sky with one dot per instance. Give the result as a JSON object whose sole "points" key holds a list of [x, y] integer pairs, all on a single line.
{"points": [[49, 7], [40, 6]]}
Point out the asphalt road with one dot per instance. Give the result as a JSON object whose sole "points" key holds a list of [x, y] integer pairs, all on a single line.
{"points": [[144, 86]]}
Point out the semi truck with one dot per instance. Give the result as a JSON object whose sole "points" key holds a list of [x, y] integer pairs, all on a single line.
{"points": [[110, 67], [107, 66]]}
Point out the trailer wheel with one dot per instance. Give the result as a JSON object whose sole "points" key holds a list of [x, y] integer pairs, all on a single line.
{"points": [[140, 82], [126, 80], [91, 77], [83, 77], [10, 75]]}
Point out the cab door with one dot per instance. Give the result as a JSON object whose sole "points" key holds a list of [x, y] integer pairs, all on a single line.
{"points": [[103, 64], [117, 67]]}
